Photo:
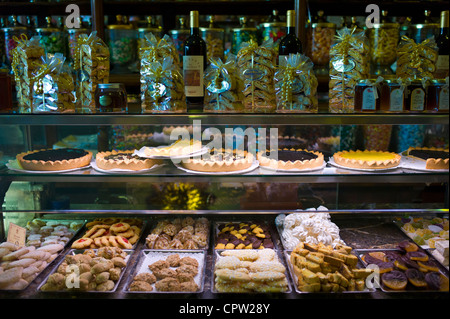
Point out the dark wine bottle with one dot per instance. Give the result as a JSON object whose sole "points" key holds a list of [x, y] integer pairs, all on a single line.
{"points": [[443, 45], [194, 63], [290, 43]]}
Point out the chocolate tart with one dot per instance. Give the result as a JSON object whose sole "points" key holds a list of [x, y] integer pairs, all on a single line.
{"points": [[367, 159], [180, 147], [54, 159], [221, 160], [435, 158], [289, 159], [124, 160]]}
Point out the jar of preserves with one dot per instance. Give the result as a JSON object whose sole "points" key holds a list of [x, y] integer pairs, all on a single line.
{"points": [[274, 29], [367, 95], [151, 26], [122, 45], [180, 35], [14, 31], [242, 34], [437, 96], [111, 98], [417, 96], [214, 38], [393, 96], [320, 38], [52, 38]]}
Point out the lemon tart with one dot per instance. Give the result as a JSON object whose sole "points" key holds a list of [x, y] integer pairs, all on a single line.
{"points": [[367, 159], [435, 158], [124, 160], [54, 159], [288, 159]]}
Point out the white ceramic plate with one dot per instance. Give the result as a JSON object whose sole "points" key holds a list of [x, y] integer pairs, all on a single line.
{"points": [[254, 165], [13, 165]]}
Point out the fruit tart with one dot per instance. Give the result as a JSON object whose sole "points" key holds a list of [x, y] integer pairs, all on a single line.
{"points": [[290, 159], [435, 158], [54, 159], [124, 160], [367, 159], [220, 160]]}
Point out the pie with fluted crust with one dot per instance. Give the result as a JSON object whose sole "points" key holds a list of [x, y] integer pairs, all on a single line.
{"points": [[124, 160], [54, 159], [288, 159], [220, 160], [435, 158], [180, 147], [367, 159]]}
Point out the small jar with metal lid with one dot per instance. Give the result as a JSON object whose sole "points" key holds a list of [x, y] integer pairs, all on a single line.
{"points": [[274, 29], [242, 34], [180, 35], [392, 96], [73, 35], [214, 38], [416, 96], [424, 30], [151, 26], [111, 98], [437, 96], [52, 39], [122, 45], [320, 38], [367, 96], [383, 39], [14, 30]]}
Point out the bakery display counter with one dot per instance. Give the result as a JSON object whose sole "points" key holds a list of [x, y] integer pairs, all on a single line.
{"points": [[154, 270]]}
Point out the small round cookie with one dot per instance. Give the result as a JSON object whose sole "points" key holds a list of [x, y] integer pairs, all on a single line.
{"points": [[124, 242], [127, 234], [82, 243], [120, 227]]}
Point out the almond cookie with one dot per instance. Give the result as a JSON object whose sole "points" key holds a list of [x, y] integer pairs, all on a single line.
{"points": [[82, 243]]}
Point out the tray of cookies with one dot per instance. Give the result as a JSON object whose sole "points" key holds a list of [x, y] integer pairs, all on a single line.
{"points": [[318, 268], [243, 235], [249, 271], [19, 266], [110, 232], [168, 271], [406, 268], [42, 232], [185, 233], [88, 270]]}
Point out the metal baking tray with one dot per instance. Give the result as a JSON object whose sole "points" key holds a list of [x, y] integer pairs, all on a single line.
{"points": [[149, 256], [155, 223], [37, 275], [129, 252], [399, 224], [217, 256], [84, 229], [266, 225], [287, 254], [409, 287]]}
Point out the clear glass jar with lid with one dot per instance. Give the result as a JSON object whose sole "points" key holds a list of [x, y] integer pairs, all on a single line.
{"points": [[11, 32], [242, 34], [111, 98], [424, 30], [52, 38], [73, 35], [214, 38], [274, 29], [320, 38], [179, 35], [122, 45], [151, 26]]}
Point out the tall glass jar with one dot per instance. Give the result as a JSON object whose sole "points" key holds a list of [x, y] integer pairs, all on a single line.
{"points": [[150, 27], [242, 34], [52, 39], [274, 29], [424, 30], [180, 35], [122, 45], [383, 39], [214, 38], [72, 37], [14, 30], [320, 38]]}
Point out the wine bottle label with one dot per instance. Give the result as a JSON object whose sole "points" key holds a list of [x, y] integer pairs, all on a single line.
{"points": [[193, 75], [282, 60], [417, 100], [442, 62], [443, 99], [369, 102], [396, 100]]}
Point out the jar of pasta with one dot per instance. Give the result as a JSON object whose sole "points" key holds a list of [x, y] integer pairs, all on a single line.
{"points": [[52, 39], [180, 35], [383, 39], [214, 38], [242, 34], [122, 45], [12, 32], [320, 38]]}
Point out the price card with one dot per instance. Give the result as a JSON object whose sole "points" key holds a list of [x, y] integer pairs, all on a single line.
{"points": [[16, 235]]}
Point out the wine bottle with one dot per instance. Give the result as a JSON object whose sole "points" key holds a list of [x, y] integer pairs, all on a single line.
{"points": [[194, 63], [443, 45], [290, 43]]}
